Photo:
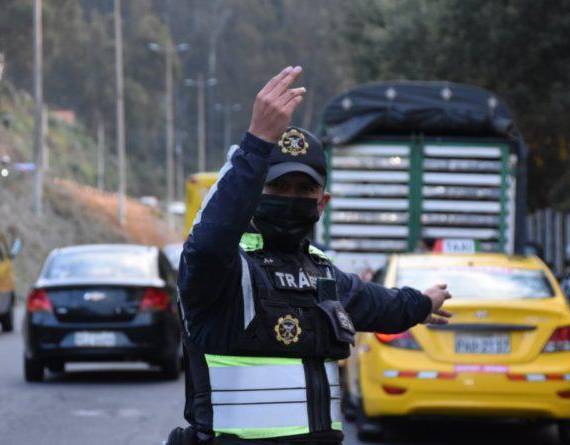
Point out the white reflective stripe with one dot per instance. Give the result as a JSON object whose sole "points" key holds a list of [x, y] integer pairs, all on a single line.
{"points": [[259, 396], [336, 415], [263, 415], [331, 369], [567, 377], [182, 313], [247, 292], [391, 373], [226, 168], [336, 392], [257, 377]]}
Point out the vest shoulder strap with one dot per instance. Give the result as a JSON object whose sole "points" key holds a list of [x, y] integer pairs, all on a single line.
{"points": [[250, 242], [315, 251]]}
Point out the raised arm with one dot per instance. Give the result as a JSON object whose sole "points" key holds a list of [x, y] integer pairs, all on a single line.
{"points": [[211, 255]]}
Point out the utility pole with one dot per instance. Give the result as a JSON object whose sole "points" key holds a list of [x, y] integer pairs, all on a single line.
{"points": [[119, 79], [169, 134], [100, 153], [179, 172], [200, 83], [169, 51], [38, 109], [201, 123], [227, 111]]}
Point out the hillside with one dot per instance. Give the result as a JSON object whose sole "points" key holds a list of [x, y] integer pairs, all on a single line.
{"points": [[73, 214]]}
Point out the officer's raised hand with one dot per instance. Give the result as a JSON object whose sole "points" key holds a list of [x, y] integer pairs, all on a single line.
{"points": [[275, 104], [437, 294]]}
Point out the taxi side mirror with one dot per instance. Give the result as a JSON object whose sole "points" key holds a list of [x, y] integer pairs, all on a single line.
{"points": [[16, 248]]}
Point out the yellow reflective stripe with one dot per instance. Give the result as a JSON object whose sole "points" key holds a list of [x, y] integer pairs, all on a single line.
{"points": [[336, 426], [216, 361], [264, 433]]}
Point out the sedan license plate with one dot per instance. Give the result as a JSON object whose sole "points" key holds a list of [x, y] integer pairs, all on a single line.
{"points": [[95, 339], [482, 344]]}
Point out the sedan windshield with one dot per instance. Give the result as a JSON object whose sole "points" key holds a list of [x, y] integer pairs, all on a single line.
{"points": [[101, 265], [481, 283]]}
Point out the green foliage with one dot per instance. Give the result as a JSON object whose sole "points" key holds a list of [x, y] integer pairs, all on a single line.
{"points": [[517, 48]]}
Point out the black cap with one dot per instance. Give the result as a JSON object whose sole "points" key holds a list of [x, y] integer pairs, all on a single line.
{"points": [[298, 150]]}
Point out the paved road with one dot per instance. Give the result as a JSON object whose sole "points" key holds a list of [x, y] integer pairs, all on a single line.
{"points": [[129, 404]]}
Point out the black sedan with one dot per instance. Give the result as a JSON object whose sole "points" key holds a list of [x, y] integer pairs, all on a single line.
{"points": [[107, 302]]}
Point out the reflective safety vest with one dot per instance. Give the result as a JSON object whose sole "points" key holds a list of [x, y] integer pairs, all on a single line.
{"points": [[269, 370], [262, 397]]}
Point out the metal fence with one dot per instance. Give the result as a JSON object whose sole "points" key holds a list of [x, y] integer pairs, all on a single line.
{"points": [[551, 230]]}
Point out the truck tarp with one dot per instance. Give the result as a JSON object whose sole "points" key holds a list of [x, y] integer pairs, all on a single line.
{"points": [[404, 107]]}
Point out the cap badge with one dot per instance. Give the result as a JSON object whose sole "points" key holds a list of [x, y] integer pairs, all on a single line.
{"points": [[294, 143], [288, 329]]}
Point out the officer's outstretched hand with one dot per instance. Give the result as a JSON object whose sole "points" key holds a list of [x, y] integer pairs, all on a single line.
{"points": [[437, 294], [274, 105]]}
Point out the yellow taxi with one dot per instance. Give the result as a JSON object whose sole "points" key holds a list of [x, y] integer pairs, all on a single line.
{"points": [[7, 284], [505, 352], [197, 187]]}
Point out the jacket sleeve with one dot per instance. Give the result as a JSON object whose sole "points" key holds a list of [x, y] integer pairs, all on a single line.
{"points": [[210, 266], [374, 308]]}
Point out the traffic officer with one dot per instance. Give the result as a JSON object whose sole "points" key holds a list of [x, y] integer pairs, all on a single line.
{"points": [[266, 314]]}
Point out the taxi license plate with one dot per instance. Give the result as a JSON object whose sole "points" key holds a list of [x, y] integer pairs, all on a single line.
{"points": [[95, 339], [482, 344]]}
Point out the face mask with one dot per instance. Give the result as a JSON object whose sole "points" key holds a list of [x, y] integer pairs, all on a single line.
{"points": [[283, 221]]}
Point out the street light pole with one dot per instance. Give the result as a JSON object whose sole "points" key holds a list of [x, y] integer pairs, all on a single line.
{"points": [[120, 105], [38, 109], [227, 110], [169, 134], [200, 83], [201, 123]]}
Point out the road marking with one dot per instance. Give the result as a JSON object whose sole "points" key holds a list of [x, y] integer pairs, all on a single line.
{"points": [[88, 413]]}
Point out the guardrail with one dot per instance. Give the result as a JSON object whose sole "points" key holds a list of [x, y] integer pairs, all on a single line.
{"points": [[551, 230]]}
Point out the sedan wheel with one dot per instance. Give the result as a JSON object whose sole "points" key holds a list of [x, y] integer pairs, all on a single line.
{"points": [[33, 370], [7, 321]]}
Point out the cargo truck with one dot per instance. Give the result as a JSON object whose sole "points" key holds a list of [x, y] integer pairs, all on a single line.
{"points": [[415, 162]]}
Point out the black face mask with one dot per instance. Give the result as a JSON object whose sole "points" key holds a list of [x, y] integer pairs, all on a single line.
{"points": [[283, 221]]}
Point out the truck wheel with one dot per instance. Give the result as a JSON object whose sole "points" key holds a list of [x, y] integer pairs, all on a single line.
{"points": [[170, 367], [33, 370], [368, 430], [7, 320], [564, 432]]}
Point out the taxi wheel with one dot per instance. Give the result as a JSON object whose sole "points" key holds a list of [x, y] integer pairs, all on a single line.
{"points": [[564, 432], [33, 370], [7, 321], [367, 430]]}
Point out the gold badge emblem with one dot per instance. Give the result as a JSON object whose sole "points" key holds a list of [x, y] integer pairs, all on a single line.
{"points": [[294, 143], [288, 330]]}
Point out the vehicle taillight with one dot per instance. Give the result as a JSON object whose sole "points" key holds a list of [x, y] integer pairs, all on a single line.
{"points": [[155, 299], [38, 301], [404, 340], [559, 341]]}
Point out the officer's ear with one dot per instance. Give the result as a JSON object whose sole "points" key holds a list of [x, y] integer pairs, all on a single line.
{"points": [[323, 201]]}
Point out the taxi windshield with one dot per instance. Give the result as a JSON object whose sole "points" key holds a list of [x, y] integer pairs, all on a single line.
{"points": [[481, 283], [85, 265]]}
